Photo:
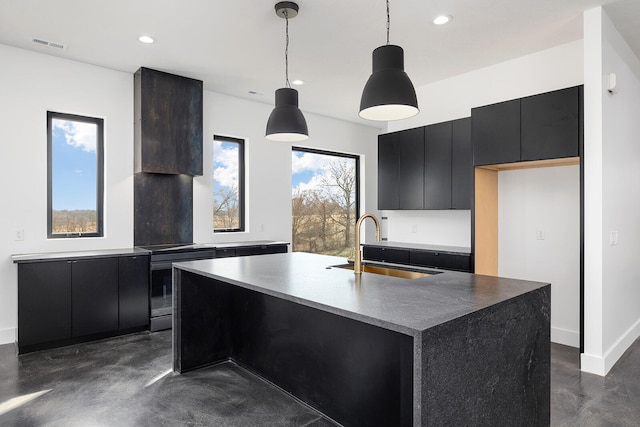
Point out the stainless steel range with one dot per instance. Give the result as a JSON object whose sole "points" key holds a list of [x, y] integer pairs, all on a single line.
{"points": [[160, 280]]}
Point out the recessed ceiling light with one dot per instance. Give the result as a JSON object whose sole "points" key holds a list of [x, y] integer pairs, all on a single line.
{"points": [[297, 82], [442, 19], [146, 39]]}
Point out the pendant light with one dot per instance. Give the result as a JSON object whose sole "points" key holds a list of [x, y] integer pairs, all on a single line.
{"points": [[389, 93], [286, 122]]}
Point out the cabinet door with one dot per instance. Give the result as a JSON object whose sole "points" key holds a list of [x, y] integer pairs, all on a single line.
{"points": [[446, 260], [437, 169], [133, 291], [388, 166], [94, 296], [44, 302], [411, 169], [461, 164], [551, 125], [495, 132], [225, 253], [393, 255]]}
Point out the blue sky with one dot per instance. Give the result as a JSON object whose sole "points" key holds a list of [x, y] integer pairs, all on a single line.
{"points": [[74, 163]]}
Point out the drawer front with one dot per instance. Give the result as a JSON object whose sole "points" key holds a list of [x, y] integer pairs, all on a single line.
{"points": [[225, 253], [446, 261], [393, 255]]}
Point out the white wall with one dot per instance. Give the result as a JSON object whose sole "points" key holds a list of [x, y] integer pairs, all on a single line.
{"points": [[32, 83], [453, 98], [544, 201], [612, 203]]}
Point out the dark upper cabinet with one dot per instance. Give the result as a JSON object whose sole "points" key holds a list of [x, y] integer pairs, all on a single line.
{"points": [[44, 302], [551, 125], [495, 132], [437, 166], [426, 168], [168, 123], [133, 291], [538, 127], [461, 164], [388, 165], [411, 169], [401, 170], [94, 296]]}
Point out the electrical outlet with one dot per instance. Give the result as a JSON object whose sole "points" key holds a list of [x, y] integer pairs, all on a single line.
{"points": [[613, 237], [540, 234], [261, 227], [414, 228], [19, 235]]}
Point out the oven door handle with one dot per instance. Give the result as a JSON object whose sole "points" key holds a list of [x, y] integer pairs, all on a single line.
{"points": [[161, 265]]}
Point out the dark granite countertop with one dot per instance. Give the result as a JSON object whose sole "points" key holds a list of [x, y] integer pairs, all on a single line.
{"points": [[61, 256], [409, 306], [439, 248], [240, 244]]}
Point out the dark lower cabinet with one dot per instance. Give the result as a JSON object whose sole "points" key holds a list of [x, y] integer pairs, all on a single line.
{"points": [[133, 292], [44, 302], [94, 296], [66, 301], [225, 253], [261, 250], [392, 255], [418, 257], [443, 260]]}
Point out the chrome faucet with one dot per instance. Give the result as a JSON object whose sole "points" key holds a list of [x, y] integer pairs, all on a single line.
{"points": [[357, 263]]}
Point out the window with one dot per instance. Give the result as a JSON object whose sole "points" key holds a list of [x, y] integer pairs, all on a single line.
{"points": [[228, 184], [325, 195], [75, 175]]}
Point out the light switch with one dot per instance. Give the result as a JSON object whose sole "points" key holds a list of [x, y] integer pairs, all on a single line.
{"points": [[540, 234]]}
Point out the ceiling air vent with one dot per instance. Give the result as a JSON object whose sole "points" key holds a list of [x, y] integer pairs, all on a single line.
{"points": [[44, 42]]}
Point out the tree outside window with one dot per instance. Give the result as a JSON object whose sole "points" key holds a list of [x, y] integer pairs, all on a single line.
{"points": [[325, 194]]}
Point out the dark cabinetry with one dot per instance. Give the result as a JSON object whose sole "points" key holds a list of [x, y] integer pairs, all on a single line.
{"points": [[392, 255], [261, 250], [551, 125], [94, 296], [133, 292], [61, 302], [539, 127], [401, 170], [426, 167], [461, 164], [44, 302], [168, 123], [418, 257], [437, 166]]}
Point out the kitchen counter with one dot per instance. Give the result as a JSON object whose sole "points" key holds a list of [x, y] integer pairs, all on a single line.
{"points": [[426, 247], [62, 256], [371, 350]]}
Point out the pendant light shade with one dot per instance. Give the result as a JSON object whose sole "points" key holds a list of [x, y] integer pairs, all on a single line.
{"points": [[286, 122], [389, 93]]}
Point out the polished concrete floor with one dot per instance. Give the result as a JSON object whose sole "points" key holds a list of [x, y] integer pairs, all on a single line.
{"points": [[127, 381]]}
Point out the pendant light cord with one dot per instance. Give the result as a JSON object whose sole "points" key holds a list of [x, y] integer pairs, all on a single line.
{"points": [[286, 49], [388, 22]]}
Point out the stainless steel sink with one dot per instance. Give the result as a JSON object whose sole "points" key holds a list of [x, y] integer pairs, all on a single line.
{"points": [[389, 271]]}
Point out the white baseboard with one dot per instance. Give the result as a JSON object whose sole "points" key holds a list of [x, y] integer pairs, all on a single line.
{"points": [[7, 336], [565, 337], [601, 365]]}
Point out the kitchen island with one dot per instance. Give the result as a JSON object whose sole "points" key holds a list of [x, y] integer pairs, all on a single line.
{"points": [[450, 348]]}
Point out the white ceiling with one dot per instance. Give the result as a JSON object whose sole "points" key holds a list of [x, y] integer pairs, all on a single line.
{"points": [[238, 46]]}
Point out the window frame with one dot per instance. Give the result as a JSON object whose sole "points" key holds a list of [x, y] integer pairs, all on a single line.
{"points": [[356, 157], [99, 122], [241, 183]]}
